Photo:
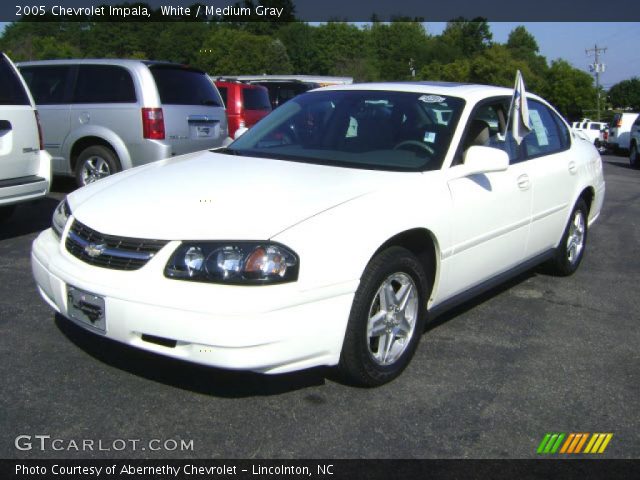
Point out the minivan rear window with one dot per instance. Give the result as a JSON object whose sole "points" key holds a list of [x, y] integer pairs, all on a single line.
{"points": [[104, 84], [256, 99], [183, 86], [11, 89]]}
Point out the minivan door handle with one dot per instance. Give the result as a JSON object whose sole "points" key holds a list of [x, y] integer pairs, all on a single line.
{"points": [[572, 167]]}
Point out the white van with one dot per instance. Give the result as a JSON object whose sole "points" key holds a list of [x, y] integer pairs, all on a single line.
{"points": [[620, 131], [25, 167]]}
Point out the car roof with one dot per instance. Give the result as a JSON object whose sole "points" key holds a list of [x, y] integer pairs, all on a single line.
{"points": [[105, 61], [467, 91]]}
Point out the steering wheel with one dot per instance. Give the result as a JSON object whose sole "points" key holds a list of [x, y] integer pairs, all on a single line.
{"points": [[412, 144]]}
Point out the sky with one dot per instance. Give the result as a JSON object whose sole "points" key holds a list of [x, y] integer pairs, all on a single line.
{"points": [[569, 41]]}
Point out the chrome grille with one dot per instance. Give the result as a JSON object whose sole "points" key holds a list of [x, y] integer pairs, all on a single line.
{"points": [[110, 251]]}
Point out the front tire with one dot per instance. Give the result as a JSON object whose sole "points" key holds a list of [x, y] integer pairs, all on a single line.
{"points": [[387, 319], [634, 161], [574, 240], [94, 163]]}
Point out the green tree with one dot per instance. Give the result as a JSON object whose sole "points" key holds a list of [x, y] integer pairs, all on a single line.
{"points": [[467, 38], [497, 66], [334, 45], [568, 89], [521, 42], [179, 42], [298, 39], [626, 94], [399, 49], [229, 51]]}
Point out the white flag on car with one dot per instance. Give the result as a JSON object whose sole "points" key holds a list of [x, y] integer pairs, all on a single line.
{"points": [[519, 111]]}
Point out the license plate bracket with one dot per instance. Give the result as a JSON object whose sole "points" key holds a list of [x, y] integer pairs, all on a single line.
{"points": [[86, 308]]}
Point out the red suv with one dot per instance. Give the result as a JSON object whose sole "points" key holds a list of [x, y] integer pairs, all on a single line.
{"points": [[246, 103]]}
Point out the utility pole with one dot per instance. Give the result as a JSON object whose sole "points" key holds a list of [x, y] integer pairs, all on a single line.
{"points": [[597, 68]]}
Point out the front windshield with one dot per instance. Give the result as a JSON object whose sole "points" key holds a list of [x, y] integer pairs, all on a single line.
{"points": [[371, 129]]}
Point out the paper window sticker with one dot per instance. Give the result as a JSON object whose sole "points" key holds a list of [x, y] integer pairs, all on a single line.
{"points": [[538, 128], [429, 137]]}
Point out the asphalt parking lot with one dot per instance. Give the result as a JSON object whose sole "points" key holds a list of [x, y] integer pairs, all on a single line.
{"points": [[539, 354]]}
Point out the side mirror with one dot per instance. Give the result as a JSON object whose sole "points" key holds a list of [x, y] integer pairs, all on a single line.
{"points": [[479, 159], [239, 132]]}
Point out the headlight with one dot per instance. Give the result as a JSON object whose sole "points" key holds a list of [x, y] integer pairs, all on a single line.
{"points": [[245, 263], [60, 217]]}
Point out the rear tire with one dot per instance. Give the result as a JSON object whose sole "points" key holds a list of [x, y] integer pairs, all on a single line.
{"points": [[6, 212], [94, 163], [387, 319], [574, 240], [634, 161]]}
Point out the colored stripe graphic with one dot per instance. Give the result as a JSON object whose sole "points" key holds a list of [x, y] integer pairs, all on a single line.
{"points": [[550, 443], [574, 443], [598, 442]]}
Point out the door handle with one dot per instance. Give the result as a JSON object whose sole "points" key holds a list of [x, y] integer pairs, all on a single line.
{"points": [[572, 167], [523, 182]]}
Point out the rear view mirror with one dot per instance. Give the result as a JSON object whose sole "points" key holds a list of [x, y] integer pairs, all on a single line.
{"points": [[478, 159]]}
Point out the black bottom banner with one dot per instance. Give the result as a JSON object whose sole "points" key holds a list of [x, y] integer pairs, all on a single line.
{"points": [[321, 469]]}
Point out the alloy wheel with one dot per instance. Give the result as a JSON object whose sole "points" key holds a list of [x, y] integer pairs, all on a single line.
{"points": [[392, 318]]}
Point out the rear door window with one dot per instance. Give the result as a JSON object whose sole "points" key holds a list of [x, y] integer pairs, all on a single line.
{"points": [[256, 99], [104, 84], [184, 86], [547, 135], [11, 90], [48, 84]]}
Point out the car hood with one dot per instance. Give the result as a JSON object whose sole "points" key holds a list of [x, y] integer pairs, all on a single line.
{"points": [[208, 195]]}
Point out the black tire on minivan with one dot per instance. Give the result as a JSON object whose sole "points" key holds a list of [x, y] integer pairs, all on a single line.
{"points": [[96, 162]]}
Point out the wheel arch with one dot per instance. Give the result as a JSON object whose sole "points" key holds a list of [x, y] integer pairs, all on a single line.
{"points": [[424, 245], [588, 195], [87, 142], [95, 135]]}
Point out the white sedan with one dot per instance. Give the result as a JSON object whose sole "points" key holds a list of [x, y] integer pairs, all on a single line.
{"points": [[328, 234]]}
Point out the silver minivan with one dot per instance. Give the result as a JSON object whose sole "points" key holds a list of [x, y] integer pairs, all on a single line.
{"points": [[25, 167], [103, 116]]}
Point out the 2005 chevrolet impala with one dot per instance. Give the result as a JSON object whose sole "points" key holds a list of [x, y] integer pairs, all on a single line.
{"points": [[329, 232]]}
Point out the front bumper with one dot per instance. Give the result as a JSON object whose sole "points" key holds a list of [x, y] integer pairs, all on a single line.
{"points": [[269, 329]]}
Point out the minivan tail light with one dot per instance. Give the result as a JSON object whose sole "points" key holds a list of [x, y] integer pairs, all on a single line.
{"points": [[152, 123], [619, 122], [40, 139]]}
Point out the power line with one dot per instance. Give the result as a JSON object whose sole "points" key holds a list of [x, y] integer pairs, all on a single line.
{"points": [[597, 68]]}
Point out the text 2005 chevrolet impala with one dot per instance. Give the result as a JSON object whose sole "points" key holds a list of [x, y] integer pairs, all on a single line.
{"points": [[326, 234]]}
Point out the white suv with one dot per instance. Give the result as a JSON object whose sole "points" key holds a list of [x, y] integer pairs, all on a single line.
{"points": [[25, 168]]}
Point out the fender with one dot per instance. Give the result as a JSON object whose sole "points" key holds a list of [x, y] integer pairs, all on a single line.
{"points": [[105, 134]]}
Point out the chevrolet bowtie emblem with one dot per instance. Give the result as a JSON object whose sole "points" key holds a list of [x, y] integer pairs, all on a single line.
{"points": [[94, 250]]}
